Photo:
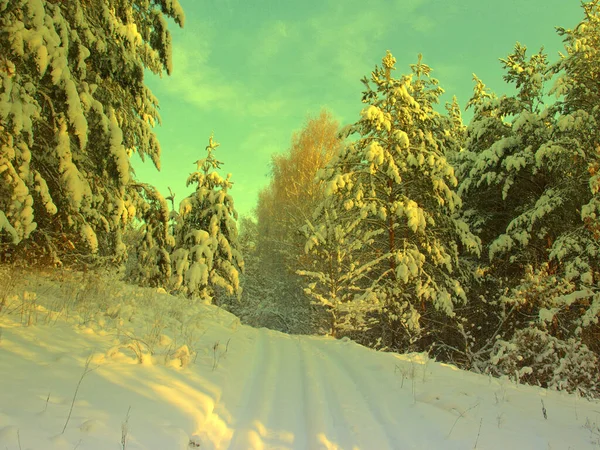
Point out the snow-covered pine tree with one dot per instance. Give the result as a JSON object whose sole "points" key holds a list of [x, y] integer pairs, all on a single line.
{"points": [[530, 176], [336, 269], [499, 171], [396, 179], [498, 182], [206, 258], [73, 108], [455, 128]]}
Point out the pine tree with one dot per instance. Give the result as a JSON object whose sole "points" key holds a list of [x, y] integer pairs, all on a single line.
{"points": [[206, 259], [73, 108], [522, 173], [337, 270], [395, 177], [575, 253], [499, 170]]}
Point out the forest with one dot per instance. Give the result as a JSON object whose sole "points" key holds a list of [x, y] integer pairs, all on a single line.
{"points": [[408, 230]]}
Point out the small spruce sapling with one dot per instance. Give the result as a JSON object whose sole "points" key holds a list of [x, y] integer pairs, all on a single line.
{"points": [[206, 259]]}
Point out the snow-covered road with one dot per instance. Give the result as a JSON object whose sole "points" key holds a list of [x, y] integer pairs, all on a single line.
{"points": [[300, 392], [165, 374]]}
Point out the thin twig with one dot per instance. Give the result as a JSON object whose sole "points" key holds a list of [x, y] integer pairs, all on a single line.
{"points": [[47, 400], [544, 412], [460, 415], [86, 370], [215, 358], [478, 433]]}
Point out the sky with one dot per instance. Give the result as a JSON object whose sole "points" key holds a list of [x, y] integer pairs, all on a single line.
{"points": [[252, 72]]}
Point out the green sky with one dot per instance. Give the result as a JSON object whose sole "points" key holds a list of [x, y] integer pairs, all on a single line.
{"points": [[252, 70]]}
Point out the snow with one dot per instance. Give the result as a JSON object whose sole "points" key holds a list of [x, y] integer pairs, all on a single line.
{"points": [[89, 236], [118, 150], [378, 117], [7, 227], [164, 373], [76, 187]]}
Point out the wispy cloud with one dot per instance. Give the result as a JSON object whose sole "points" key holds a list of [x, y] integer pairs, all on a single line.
{"points": [[338, 42], [195, 81], [423, 24], [282, 60], [209, 88]]}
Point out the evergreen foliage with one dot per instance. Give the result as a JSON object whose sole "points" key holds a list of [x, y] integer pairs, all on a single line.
{"points": [[529, 180], [152, 265]]}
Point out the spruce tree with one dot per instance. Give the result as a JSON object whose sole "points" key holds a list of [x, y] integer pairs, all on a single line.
{"points": [[206, 259], [73, 108]]}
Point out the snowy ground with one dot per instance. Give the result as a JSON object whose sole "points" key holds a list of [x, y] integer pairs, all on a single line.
{"points": [[164, 374]]}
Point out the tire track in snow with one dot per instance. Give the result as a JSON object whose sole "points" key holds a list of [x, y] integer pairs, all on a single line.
{"points": [[307, 411], [371, 397], [322, 406], [286, 422], [256, 395]]}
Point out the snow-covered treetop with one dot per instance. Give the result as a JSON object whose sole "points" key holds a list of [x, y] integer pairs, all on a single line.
{"points": [[206, 170]]}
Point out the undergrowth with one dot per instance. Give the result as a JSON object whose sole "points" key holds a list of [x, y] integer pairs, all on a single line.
{"points": [[146, 324]]}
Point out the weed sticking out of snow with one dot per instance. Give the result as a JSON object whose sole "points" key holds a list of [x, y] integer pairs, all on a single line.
{"points": [[86, 370], [125, 430]]}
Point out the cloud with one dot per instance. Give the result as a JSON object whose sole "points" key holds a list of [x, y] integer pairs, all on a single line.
{"points": [[280, 64], [339, 41], [209, 88]]}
